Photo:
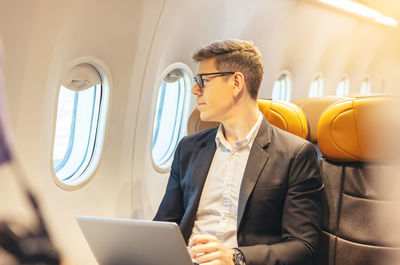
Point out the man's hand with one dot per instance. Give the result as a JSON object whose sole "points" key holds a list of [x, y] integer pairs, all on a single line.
{"points": [[208, 250]]}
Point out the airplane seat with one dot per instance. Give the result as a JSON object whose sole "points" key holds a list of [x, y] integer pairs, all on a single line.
{"points": [[195, 124], [284, 115], [361, 205], [313, 108]]}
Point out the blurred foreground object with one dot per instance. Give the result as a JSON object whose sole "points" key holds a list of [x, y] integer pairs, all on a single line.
{"points": [[32, 247]]}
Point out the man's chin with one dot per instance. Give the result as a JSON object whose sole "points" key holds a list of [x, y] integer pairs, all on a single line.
{"points": [[206, 118]]}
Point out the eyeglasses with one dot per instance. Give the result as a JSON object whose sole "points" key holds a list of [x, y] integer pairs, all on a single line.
{"points": [[199, 77]]}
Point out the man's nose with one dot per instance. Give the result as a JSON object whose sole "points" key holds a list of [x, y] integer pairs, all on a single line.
{"points": [[196, 90]]}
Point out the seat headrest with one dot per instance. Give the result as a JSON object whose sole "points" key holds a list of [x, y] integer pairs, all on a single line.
{"points": [[313, 108], [195, 124], [283, 115], [358, 130]]}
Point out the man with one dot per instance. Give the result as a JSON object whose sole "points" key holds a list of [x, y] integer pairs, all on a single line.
{"points": [[245, 192]]}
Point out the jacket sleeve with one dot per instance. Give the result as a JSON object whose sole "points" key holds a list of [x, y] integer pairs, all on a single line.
{"points": [[171, 208], [301, 217]]}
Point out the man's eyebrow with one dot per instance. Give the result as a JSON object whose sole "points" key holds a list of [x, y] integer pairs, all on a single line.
{"points": [[210, 72]]}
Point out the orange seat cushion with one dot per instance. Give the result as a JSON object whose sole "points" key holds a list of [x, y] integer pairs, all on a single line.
{"points": [[358, 129]]}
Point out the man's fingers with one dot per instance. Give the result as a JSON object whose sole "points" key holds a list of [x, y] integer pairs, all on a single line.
{"points": [[208, 257], [201, 239], [204, 248], [208, 250]]}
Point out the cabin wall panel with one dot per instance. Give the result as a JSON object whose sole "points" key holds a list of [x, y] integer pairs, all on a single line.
{"points": [[15, 34], [116, 39], [60, 32]]}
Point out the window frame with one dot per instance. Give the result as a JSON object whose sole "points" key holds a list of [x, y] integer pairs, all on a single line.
{"points": [[346, 88], [185, 112], [318, 77], [367, 79], [288, 94], [84, 178]]}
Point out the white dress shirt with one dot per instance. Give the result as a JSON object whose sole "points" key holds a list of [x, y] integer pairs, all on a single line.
{"points": [[218, 207]]}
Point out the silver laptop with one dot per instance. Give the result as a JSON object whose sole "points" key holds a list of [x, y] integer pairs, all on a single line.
{"points": [[116, 241]]}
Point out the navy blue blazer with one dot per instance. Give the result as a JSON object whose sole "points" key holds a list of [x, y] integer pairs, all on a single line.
{"points": [[280, 208]]}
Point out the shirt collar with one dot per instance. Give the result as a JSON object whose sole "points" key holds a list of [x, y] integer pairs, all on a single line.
{"points": [[248, 140]]}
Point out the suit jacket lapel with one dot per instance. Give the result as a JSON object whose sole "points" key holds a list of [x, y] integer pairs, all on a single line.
{"points": [[200, 171], [202, 166], [258, 157]]}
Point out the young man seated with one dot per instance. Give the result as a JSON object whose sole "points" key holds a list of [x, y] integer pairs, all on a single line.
{"points": [[244, 192]]}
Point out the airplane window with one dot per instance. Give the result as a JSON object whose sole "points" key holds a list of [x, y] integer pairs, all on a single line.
{"points": [[80, 124], [317, 87], [365, 87], [343, 87], [171, 115], [383, 86], [282, 88]]}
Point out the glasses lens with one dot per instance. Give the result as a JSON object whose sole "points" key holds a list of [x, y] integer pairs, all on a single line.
{"points": [[199, 80]]}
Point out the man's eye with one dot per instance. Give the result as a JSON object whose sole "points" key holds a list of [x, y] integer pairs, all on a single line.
{"points": [[206, 80]]}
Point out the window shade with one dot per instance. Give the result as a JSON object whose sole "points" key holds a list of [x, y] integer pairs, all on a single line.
{"points": [[81, 77]]}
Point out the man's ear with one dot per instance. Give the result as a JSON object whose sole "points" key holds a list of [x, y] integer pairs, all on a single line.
{"points": [[239, 84]]}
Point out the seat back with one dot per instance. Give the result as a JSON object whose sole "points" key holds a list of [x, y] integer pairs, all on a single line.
{"points": [[195, 124], [313, 108], [361, 198], [284, 115]]}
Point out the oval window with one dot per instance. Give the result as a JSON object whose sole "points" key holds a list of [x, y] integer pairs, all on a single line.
{"points": [[282, 88], [171, 116], [317, 87], [343, 87], [365, 87], [80, 124]]}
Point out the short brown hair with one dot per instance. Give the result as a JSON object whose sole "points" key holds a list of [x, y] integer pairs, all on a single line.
{"points": [[236, 56]]}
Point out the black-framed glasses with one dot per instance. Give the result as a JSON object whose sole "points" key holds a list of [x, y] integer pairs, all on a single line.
{"points": [[199, 77]]}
